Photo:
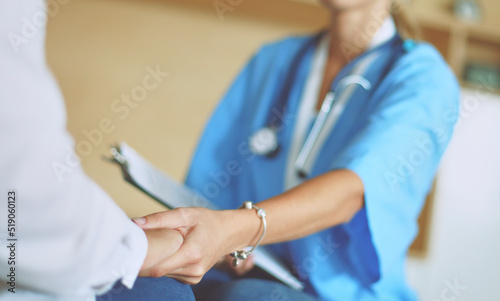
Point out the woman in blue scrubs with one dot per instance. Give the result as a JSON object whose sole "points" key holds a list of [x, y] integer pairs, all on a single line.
{"points": [[344, 219]]}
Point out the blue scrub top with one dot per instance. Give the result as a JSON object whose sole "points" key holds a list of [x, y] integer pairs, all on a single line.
{"points": [[393, 140]]}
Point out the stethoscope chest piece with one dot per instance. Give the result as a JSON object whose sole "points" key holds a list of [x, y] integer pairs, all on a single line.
{"points": [[264, 142]]}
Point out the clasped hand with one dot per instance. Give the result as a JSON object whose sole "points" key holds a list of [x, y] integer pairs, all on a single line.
{"points": [[184, 243]]}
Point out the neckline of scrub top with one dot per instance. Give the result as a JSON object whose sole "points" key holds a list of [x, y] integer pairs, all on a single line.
{"points": [[307, 108]]}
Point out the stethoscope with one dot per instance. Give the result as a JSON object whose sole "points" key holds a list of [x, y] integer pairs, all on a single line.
{"points": [[264, 142]]}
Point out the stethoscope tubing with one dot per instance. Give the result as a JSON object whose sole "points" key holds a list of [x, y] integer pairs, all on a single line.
{"points": [[314, 133], [304, 158], [335, 102]]}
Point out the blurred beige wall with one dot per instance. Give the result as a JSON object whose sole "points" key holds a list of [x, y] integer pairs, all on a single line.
{"points": [[100, 50]]}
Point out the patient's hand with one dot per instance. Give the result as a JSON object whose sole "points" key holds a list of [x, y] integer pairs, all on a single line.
{"points": [[162, 243]]}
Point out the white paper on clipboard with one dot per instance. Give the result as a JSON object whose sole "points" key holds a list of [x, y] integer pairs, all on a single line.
{"points": [[164, 189]]}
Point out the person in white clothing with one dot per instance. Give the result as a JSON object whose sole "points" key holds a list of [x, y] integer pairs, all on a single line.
{"points": [[60, 238]]}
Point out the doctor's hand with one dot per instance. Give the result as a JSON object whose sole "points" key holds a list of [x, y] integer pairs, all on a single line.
{"points": [[207, 235]]}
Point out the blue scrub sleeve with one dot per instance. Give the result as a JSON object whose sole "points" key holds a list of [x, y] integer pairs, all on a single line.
{"points": [[396, 156]]}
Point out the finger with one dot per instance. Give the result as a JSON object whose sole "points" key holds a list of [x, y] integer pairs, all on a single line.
{"points": [[189, 254], [185, 280], [191, 271], [190, 274], [162, 243], [172, 219], [145, 273]]}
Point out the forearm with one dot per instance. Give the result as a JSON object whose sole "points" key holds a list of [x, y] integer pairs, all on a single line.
{"points": [[320, 203]]}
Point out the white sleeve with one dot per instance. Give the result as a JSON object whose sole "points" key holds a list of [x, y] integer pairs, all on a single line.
{"points": [[72, 239]]}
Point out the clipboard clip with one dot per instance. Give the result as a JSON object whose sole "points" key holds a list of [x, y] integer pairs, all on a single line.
{"points": [[116, 156]]}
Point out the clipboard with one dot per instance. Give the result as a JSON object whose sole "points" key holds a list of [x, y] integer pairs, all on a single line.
{"points": [[168, 192]]}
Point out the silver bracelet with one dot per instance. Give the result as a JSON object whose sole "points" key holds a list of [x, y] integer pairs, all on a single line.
{"points": [[242, 254]]}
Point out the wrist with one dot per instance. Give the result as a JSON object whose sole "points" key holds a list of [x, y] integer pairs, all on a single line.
{"points": [[243, 254], [245, 228]]}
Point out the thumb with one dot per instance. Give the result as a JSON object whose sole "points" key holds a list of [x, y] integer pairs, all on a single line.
{"points": [[166, 219]]}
